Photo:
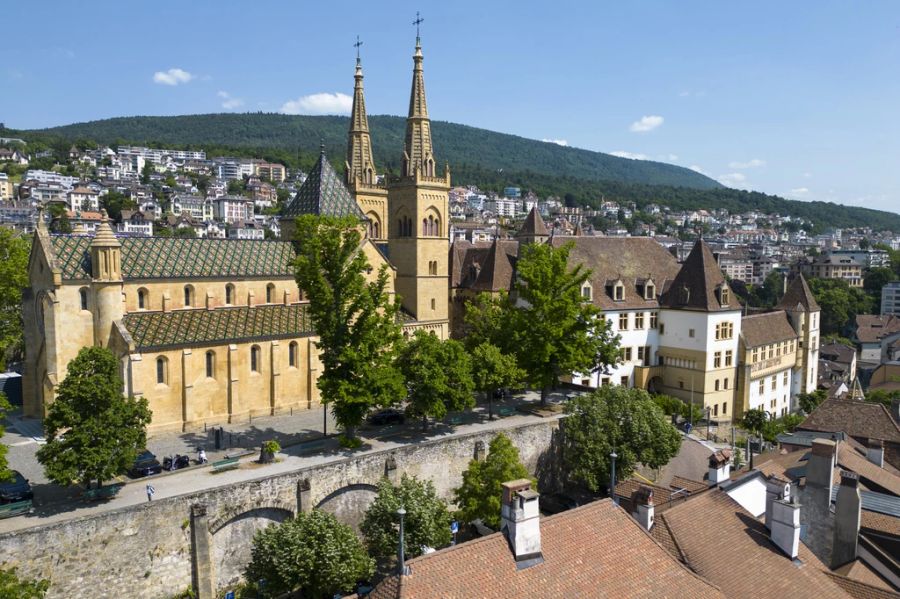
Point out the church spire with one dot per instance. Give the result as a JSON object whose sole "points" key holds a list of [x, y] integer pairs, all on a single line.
{"points": [[360, 167], [418, 152]]}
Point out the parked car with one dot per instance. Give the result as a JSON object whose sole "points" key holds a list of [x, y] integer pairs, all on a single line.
{"points": [[145, 465], [179, 462], [388, 416], [17, 489]]}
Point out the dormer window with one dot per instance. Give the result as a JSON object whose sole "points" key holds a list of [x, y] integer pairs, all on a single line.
{"points": [[618, 291], [586, 293], [649, 290], [724, 295]]}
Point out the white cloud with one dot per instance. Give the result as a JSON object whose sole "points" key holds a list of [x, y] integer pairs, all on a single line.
{"points": [[647, 123], [323, 103], [559, 142], [172, 77], [229, 102], [630, 155], [798, 192], [738, 180], [753, 163]]}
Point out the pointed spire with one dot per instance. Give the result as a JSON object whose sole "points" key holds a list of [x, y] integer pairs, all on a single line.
{"points": [[418, 151], [360, 164], [533, 226], [798, 294], [104, 236], [695, 285], [323, 192]]}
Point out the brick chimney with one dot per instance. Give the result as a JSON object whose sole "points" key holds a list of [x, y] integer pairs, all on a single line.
{"points": [[875, 452], [719, 467], [785, 525], [642, 501], [521, 522], [820, 466], [847, 513], [776, 489]]}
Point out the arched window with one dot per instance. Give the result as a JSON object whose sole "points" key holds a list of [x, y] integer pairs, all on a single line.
{"points": [[188, 296], [400, 228], [229, 294], [83, 297], [270, 293], [376, 230], [143, 299], [210, 364], [425, 226], [254, 358], [292, 354], [162, 371]]}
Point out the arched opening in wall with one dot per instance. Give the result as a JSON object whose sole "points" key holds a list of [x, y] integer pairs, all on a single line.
{"points": [[143, 299], [229, 294], [270, 293], [349, 504], [162, 371], [230, 547], [83, 297], [210, 364], [188, 296], [254, 358], [292, 354]]}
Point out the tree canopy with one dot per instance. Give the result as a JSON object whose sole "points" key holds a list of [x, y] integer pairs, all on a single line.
{"points": [[479, 495], [840, 303], [93, 432], [14, 250], [438, 376], [493, 370], [13, 587], [615, 418], [355, 319], [312, 553], [426, 524]]}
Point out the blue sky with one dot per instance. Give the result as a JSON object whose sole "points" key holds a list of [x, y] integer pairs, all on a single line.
{"points": [[796, 98]]}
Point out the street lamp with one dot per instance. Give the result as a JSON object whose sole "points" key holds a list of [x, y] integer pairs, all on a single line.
{"points": [[402, 512], [707, 423], [612, 478]]}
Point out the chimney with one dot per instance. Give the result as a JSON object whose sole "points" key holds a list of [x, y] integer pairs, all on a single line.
{"points": [[776, 489], [719, 467], [785, 523], [847, 513], [820, 467], [520, 521], [895, 409], [875, 452], [642, 501]]}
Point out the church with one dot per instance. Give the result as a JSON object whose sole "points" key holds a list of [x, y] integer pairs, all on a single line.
{"points": [[216, 331]]}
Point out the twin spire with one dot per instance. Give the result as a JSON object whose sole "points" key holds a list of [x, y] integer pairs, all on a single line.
{"points": [[418, 156]]}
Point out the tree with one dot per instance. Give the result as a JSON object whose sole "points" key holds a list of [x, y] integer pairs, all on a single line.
{"points": [[355, 319], [487, 321], [13, 587], [672, 405], [426, 524], [185, 232], [754, 420], [478, 497], [5, 472], [14, 250], [554, 331], [312, 553], [882, 396], [615, 418], [810, 401], [438, 376], [146, 172], [493, 370], [59, 219], [875, 279], [114, 202], [104, 431], [840, 303]]}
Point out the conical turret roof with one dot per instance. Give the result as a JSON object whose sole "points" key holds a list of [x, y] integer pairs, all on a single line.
{"points": [[533, 226], [104, 236], [798, 293], [323, 193], [695, 285]]}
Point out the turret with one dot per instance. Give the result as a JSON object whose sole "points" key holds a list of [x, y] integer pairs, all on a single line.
{"points": [[106, 281]]}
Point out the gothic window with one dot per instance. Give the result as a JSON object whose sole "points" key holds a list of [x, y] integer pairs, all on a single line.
{"points": [[210, 365], [425, 230], [292, 354], [188, 296], [83, 297], [270, 293], [229, 294], [162, 371], [143, 299], [254, 358]]}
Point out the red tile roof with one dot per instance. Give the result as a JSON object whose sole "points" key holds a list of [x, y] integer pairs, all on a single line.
{"points": [[856, 418]]}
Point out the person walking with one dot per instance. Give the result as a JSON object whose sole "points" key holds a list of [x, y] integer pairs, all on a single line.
{"points": [[201, 456], [150, 492]]}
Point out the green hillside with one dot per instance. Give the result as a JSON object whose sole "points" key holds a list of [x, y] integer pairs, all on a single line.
{"points": [[477, 156]]}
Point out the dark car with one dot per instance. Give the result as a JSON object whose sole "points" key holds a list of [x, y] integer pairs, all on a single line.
{"points": [[388, 416], [145, 465], [17, 489], [176, 463]]}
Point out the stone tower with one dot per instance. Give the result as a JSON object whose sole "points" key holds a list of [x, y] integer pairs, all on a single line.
{"points": [[106, 281], [804, 313], [360, 166], [419, 242]]}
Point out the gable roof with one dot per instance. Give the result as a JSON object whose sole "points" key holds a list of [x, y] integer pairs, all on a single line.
{"points": [[798, 293], [174, 258], [856, 418], [323, 193], [694, 288], [872, 328], [766, 328], [596, 550], [497, 271], [158, 330], [533, 226]]}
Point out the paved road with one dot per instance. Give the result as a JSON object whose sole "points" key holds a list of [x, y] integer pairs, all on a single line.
{"points": [[54, 503]]}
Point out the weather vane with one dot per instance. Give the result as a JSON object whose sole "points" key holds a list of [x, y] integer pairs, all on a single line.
{"points": [[357, 45], [417, 22]]}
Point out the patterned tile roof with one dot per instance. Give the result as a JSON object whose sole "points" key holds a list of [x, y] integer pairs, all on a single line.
{"points": [[167, 258], [323, 193], [157, 330]]}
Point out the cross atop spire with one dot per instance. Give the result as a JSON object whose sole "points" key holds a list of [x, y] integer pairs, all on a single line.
{"points": [[357, 45], [417, 22]]}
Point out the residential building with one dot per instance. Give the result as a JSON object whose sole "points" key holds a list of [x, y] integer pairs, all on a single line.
{"points": [[833, 266], [83, 198], [768, 357], [276, 173], [872, 332], [869, 258], [890, 296], [135, 222], [861, 420], [196, 207], [50, 177], [231, 209], [6, 188], [158, 156], [502, 206], [246, 230], [13, 155]]}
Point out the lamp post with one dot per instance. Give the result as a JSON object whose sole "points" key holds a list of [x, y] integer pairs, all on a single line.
{"points": [[707, 423], [402, 512], [612, 478]]}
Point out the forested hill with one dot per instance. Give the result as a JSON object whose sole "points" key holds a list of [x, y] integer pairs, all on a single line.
{"points": [[458, 145], [477, 157]]}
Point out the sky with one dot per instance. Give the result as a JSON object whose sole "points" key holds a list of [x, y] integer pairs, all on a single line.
{"points": [[799, 99]]}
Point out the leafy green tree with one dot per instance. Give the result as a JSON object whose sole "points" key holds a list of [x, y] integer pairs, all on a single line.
{"points": [[104, 431], [5, 472], [185, 232], [487, 321], [615, 418], [672, 405], [840, 303], [875, 279], [146, 172], [14, 251], [426, 524], [755, 420], [493, 370], [59, 219], [882, 396], [479, 495], [13, 587], [355, 319], [114, 202], [790, 422], [810, 401], [438, 376], [312, 553], [554, 331]]}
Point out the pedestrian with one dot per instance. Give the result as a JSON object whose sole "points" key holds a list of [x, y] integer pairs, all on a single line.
{"points": [[150, 492], [201, 456]]}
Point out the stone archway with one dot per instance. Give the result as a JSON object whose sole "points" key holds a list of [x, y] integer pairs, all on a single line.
{"points": [[349, 503]]}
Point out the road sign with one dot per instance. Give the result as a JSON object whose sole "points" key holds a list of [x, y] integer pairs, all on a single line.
{"points": [[229, 595], [454, 527]]}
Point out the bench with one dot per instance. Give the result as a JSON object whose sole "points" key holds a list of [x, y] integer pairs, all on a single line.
{"points": [[226, 464], [102, 493], [313, 445], [15, 509], [506, 411], [455, 419]]}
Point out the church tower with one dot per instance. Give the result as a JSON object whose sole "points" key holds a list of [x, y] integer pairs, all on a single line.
{"points": [[419, 242], [804, 314], [361, 179], [106, 281]]}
